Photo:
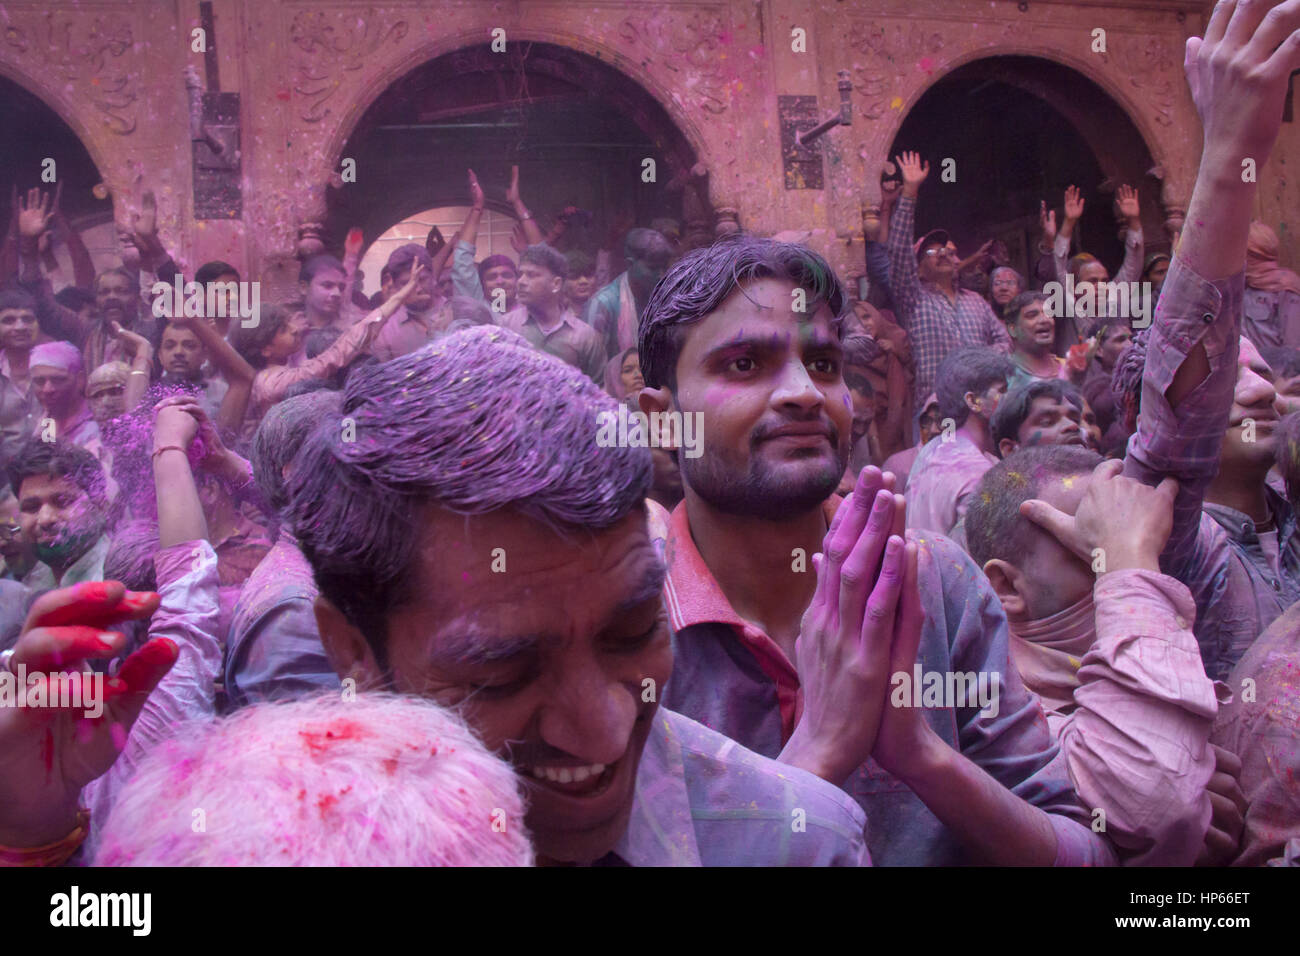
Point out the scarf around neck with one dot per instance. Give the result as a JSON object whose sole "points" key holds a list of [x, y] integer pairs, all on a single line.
{"points": [[1048, 652]]}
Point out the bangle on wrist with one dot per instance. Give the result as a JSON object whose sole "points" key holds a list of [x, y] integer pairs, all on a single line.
{"points": [[52, 854], [159, 451], [139, 371]]}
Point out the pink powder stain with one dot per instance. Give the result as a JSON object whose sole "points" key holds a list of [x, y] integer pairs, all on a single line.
{"points": [[342, 729], [119, 736], [926, 64], [464, 576]]}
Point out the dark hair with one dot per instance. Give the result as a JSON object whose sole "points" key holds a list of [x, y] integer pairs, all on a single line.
{"points": [[18, 299], [1282, 360], [1104, 326], [1011, 311], [130, 555], [974, 368], [59, 459], [214, 270], [640, 243], [473, 423], [550, 259], [249, 341], [994, 526], [131, 277], [467, 311], [279, 436], [698, 283], [491, 262], [1016, 406], [70, 297], [580, 263], [324, 262], [319, 340], [306, 387]]}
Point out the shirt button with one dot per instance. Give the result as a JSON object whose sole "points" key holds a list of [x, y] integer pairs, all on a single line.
{"points": [[1181, 622], [1276, 586], [1207, 318]]}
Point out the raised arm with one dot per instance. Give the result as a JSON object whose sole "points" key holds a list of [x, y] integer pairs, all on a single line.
{"points": [[464, 274], [1238, 76], [532, 231], [1126, 199], [905, 283]]}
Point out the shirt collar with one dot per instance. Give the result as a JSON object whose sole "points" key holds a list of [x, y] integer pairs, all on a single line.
{"points": [[693, 594], [1240, 527]]}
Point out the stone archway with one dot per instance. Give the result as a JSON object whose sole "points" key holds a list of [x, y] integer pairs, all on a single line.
{"points": [[1025, 127], [581, 131]]}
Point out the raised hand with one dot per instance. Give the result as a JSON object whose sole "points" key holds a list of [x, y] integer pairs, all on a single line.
{"points": [[48, 754], [417, 270], [139, 347], [34, 214], [512, 194], [1047, 222], [477, 199], [1128, 520], [914, 172], [177, 421], [1126, 198], [1073, 204]]}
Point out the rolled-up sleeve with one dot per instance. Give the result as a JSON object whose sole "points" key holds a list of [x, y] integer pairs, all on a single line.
{"points": [[1185, 442]]}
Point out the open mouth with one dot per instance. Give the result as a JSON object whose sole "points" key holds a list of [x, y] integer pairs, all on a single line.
{"points": [[574, 781]]}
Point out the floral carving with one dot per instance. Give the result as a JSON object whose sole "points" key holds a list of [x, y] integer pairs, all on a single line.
{"points": [[892, 55], [328, 47], [692, 50], [85, 53], [1148, 64]]}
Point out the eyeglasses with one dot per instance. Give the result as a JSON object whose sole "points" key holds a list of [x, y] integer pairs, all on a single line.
{"points": [[939, 251]]}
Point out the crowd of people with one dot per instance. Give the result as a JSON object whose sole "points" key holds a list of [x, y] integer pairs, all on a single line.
{"points": [[961, 571]]}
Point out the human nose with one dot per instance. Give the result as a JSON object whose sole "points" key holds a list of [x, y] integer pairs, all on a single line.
{"points": [[593, 715]]}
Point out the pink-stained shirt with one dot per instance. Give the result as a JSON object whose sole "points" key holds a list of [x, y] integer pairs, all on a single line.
{"points": [[1136, 738], [272, 382], [944, 475], [1261, 725], [189, 615]]}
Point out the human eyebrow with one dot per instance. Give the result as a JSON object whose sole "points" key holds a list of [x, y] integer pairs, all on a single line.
{"points": [[475, 647], [649, 588]]}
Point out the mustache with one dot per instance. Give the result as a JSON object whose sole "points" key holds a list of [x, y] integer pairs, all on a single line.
{"points": [[763, 431]]}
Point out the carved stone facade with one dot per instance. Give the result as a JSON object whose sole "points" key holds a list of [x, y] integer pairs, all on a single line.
{"points": [[306, 71]]}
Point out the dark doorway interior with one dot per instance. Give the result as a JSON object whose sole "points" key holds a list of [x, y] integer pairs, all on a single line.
{"points": [[578, 129], [1013, 150], [34, 132]]}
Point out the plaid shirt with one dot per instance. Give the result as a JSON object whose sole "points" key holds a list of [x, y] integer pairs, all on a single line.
{"points": [[935, 323], [734, 679], [1185, 442]]}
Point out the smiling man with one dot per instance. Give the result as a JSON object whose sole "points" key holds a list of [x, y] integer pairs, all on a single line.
{"points": [[1032, 329], [724, 338], [1044, 412], [63, 513], [474, 545]]}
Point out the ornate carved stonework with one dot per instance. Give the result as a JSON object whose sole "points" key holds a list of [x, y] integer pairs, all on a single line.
{"points": [[894, 53], [692, 51], [1149, 68], [328, 46], [90, 55]]}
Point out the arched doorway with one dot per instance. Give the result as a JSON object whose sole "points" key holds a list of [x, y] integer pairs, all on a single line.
{"points": [[34, 133], [580, 131], [1013, 150]]}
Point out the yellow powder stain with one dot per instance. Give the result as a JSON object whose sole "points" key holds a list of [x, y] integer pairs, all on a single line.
{"points": [[896, 103], [1068, 481]]}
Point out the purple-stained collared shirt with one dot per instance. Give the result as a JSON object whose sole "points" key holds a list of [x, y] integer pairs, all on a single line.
{"points": [[701, 799], [943, 476], [572, 341], [275, 650], [734, 679], [188, 615], [1137, 738], [1185, 442], [935, 324]]}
